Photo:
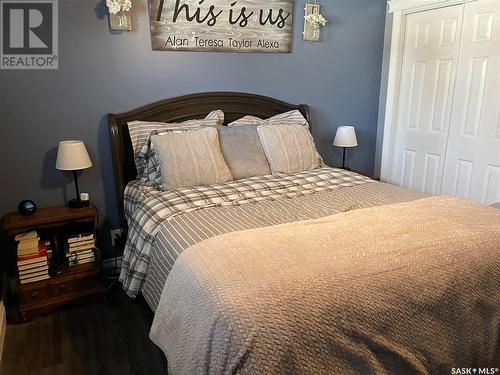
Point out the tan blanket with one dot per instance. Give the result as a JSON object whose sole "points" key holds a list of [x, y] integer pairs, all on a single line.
{"points": [[400, 289]]}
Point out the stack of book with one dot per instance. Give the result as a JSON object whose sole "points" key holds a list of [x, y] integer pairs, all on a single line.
{"points": [[80, 249], [32, 262]]}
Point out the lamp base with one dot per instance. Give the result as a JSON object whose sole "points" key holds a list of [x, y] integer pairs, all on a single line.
{"points": [[77, 203]]}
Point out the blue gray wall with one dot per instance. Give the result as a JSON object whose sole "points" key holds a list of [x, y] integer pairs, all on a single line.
{"points": [[100, 72]]}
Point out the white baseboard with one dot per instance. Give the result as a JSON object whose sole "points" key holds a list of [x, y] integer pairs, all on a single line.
{"points": [[108, 264], [3, 328]]}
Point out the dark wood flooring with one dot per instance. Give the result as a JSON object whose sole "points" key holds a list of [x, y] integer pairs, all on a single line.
{"points": [[108, 338]]}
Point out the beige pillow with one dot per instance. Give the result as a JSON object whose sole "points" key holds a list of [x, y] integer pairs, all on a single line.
{"points": [[289, 148], [190, 158]]}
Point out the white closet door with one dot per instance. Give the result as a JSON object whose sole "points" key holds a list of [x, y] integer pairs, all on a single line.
{"points": [[472, 169], [428, 78]]}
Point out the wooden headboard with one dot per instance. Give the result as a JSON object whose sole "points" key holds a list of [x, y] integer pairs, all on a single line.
{"points": [[196, 106]]}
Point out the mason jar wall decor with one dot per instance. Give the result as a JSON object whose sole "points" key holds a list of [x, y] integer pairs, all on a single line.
{"points": [[313, 21], [120, 17]]}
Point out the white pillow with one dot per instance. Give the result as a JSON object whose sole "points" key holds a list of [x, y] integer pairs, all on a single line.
{"points": [[190, 158], [289, 148], [140, 130], [288, 118]]}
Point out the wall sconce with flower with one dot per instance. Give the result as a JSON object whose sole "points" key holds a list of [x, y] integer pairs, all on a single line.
{"points": [[120, 17], [313, 21]]}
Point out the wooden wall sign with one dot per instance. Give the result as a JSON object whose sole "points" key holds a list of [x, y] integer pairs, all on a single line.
{"points": [[221, 25]]}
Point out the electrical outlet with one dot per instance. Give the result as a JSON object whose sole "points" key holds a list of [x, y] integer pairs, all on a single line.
{"points": [[116, 234]]}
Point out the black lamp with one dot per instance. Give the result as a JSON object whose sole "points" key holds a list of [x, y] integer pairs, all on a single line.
{"points": [[345, 137], [73, 156]]}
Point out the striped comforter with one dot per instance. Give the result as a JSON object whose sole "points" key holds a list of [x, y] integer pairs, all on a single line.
{"points": [[163, 224]]}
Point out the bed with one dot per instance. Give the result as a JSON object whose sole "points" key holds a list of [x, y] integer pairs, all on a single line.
{"points": [[322, 271]]}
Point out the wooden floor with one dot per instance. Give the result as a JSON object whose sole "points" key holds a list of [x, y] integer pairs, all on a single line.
{"points": [[104, 338]]}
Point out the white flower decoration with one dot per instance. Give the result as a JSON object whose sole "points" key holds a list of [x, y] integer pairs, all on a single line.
{"points": [[126, 5], [316, 20], [116, 6]]}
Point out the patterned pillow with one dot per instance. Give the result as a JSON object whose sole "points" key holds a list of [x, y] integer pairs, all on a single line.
{"points": [[190, 158], [288, 118], [141, 130], [289, 148], [151, 175]]}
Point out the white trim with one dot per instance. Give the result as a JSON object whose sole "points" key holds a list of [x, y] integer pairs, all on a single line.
{"points": [[392, 99], [412, 6], [383, 95]]}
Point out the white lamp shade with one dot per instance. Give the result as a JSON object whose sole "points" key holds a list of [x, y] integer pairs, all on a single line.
{"points": [[72, 156], [345, 137]]}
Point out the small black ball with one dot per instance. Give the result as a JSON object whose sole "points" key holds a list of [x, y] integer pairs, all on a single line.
{"points": [[26, 207]]}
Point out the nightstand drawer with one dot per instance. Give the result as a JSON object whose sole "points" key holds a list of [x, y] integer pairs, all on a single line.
{"points": [[61, 287], [28, 295]]}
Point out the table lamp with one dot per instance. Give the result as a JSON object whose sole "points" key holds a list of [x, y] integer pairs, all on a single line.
{"points": [[73, 156], [345, 137]]}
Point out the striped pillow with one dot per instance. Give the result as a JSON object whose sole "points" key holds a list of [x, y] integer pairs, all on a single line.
{"points": [[141, 130], [288, 118], [216, 115], [247, 120]]}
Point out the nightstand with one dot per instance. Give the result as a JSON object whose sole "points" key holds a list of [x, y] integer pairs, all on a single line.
{"points": [[79, 283]]}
